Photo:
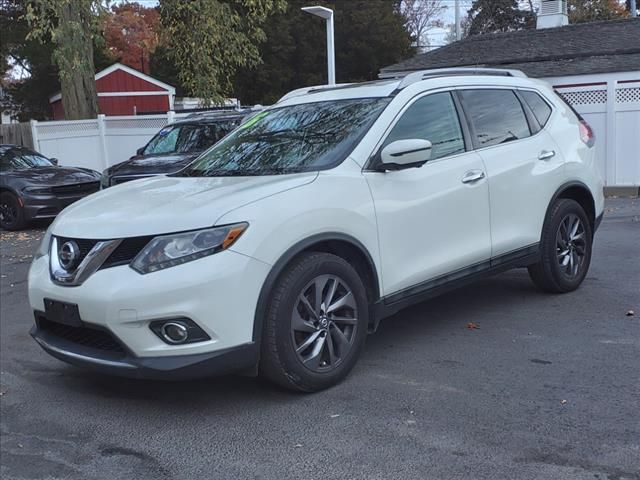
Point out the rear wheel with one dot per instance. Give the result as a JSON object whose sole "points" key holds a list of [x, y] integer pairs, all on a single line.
{"points": [[565, 248], [11, 213], [316, 323]]}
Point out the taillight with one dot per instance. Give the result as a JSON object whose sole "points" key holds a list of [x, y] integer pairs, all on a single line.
{"points": [[586, 133]]}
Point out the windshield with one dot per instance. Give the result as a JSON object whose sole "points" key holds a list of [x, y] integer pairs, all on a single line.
{"points": [[188, 138], [299, 138], [22, 159]]}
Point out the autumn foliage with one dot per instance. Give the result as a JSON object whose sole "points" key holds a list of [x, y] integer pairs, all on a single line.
{"points": [[131, 33]]}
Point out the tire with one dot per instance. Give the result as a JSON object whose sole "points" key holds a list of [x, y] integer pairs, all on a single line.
{"points": [[11, 213], [565, 254], [297, 326]]}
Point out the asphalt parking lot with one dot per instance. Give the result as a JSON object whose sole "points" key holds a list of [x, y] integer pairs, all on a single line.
{"points": [[546, 387]]}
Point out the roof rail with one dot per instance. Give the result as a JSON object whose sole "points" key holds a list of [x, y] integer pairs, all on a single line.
{"points": [[216, 113], [316, 88], [439, 72]]}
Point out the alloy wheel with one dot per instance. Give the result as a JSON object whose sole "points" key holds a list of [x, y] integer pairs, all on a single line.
{"points": [[324, 322], [571, 245], [8, 214]]}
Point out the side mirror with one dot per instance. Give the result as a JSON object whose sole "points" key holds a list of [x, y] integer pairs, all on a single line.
{"points": [[54, 161], [403, 154], [140, 151]]}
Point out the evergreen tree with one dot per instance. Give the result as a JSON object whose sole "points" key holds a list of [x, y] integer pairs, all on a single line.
{"points": [[369, 34], [489, 16]]}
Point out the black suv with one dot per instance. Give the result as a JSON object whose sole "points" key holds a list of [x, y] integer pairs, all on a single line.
{"points": [[175, 146]]}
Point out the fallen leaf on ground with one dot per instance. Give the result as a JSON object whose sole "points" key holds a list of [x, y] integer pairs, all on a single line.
{"points": [[630, 313], [335, 415], [472, 326], [563, 402]]}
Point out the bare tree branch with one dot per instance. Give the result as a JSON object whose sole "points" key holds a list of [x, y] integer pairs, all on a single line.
{"points": [[420, 17]]}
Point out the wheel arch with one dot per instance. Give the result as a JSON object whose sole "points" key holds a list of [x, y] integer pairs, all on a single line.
{"points": [[579, 192], [5, 189], [342, 245]]}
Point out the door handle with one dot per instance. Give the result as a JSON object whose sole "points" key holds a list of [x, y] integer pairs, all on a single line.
{"points": [[473, 176], [546, 154]]}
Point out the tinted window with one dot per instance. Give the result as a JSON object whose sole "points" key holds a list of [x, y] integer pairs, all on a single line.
{"points": [[497, 116], [188, 138], [432, 118], [541, 110], [297, 138]]}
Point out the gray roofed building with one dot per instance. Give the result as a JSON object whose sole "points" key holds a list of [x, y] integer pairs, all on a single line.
{"points": [[585, 48]]}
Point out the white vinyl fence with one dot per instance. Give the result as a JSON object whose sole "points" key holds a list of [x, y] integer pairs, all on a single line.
{"points": [[611, 105], [98, 143], [609, 102]]}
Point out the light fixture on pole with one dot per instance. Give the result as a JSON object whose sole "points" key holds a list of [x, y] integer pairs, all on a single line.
{"points": [[327, 14]]}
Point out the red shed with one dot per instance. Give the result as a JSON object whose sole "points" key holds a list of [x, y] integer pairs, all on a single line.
{"points": [[123, 90]]}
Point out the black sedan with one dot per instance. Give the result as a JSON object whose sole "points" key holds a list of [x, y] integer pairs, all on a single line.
{"points": [[33, 186], [175, 146]]}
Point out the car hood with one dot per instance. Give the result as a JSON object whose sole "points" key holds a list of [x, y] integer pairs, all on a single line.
{"points": [[51, 176], [153, 164], [162, 204]]}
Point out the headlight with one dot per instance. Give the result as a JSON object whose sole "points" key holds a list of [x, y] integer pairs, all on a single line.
{"points": [[45, 243], [37, 189], [175, 249]]}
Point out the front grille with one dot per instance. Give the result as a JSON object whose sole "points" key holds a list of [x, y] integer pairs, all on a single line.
{"points": [[84, 246], [76, 188], [126, 251], [85, 336], [123, 255]]}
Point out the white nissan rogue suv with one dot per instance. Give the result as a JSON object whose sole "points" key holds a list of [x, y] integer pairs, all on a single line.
{"points": [[280, 247]]}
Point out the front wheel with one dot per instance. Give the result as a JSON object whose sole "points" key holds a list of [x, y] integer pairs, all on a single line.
{"points": [[565, 248], [316, 323], [11, 213]]}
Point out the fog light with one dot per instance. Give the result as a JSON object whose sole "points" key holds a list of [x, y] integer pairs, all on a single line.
{"points": [[177, 331], [174, 332]]}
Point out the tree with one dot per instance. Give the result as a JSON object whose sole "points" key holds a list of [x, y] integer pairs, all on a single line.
{"points": [[581, 11], [29, 74], [489, 16], [131, 34], [208, 40], [70, 25], [370, 34], [421, 16]]}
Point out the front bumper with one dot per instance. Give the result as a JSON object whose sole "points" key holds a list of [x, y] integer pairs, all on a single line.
{"points": [[219, 293], [47, 206], [178, 367]]}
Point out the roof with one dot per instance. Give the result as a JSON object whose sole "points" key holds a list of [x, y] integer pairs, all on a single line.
{"points": [[319, 93], [131, 71], [584, 48], [418, 82]]}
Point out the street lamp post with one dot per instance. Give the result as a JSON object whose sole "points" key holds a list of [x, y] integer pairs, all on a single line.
{"points": [[327, 14]]}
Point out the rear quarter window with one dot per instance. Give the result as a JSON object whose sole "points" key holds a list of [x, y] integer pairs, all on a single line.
{"points": [[540, 108]]}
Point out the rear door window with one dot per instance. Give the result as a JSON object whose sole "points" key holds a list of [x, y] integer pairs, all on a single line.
{"points": [[541, 109], [496, 115]]}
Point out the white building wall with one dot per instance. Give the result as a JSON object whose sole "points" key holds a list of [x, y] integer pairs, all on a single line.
{"points": [[611, 104]]}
